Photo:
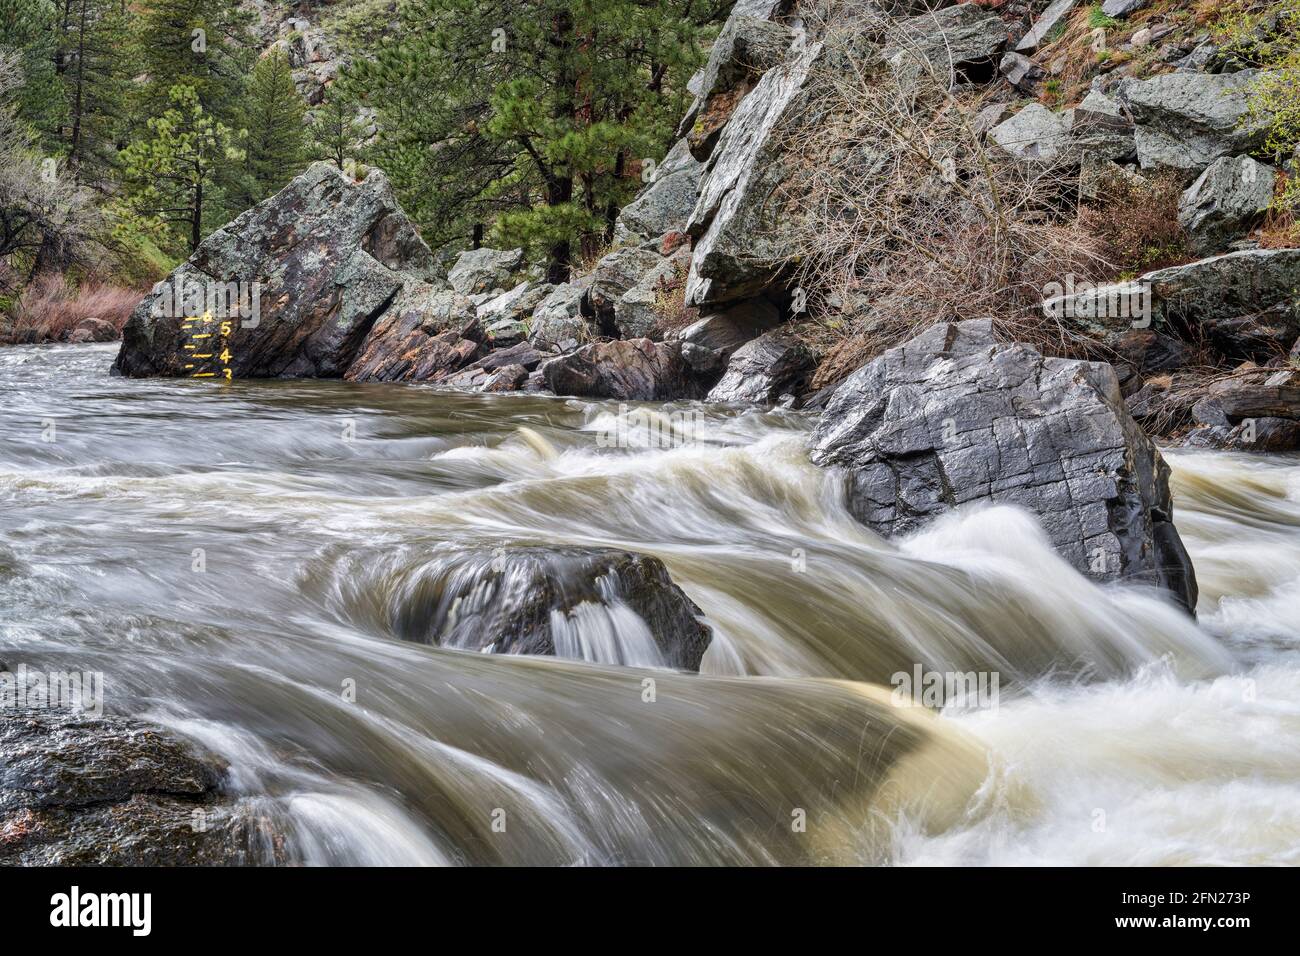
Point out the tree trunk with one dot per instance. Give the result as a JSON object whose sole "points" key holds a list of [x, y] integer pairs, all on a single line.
{"points": [[196, 216]]}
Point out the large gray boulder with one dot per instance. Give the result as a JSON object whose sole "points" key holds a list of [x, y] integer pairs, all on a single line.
{"points": [[426, 333], [560, 321], [1122, 8], [626, 369], [763, 370], [84, 790], [945, 43], [615, 274], [327, 256], [595, 604], [1245, 304], [747, 47], [641, 310], [954, 417], [1055, 13], [740, 205], [491, 271], [1188, 120], [666, 203], [1250, 412], [1226, 201], [1035, 134]]}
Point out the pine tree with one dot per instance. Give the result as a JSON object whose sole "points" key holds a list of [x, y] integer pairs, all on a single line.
{"points": [[527, 113], [206, 45], [276, 145], [29, 30], [334, 132], [94, 52], [173, 174]]}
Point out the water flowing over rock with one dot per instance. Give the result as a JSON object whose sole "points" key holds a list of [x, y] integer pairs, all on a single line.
{"points": [[599, 605], [629, 369], [953, 417], [81, 790], [328, 255]]}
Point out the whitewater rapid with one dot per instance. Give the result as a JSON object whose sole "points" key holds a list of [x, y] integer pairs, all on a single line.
{"points": [[1123, 731]]}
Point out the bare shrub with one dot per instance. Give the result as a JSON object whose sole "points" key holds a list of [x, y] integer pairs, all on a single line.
{"points": [[46, 220], [900, 217], [51, 308], [1137, 220]]}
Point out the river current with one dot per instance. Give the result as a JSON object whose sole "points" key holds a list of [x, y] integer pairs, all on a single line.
{"points": [[238, 561]]}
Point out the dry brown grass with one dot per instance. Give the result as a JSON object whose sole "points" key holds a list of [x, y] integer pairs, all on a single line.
{"points": [[51, 309], [670, 304]]}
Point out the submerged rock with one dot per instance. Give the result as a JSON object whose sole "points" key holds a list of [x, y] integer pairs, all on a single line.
{"points": [[953, 417], [79, 790], [594, 604], [328, 257]]}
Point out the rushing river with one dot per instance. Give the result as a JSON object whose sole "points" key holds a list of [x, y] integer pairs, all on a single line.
{"points": [[238, 561]]}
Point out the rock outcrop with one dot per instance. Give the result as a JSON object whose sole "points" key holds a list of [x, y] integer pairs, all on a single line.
{"points": [[953, 417], [80, 790], [1257, 411], [427, 333], [594, 604], [1226, 201], [1245, 304], [1188, 120]]}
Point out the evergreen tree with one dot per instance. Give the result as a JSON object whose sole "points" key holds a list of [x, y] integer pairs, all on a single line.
{"points": [[173, 174], [206, 45], [529, 113], [274, 113], [94, 53], [29, 31], [334, 131]]}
